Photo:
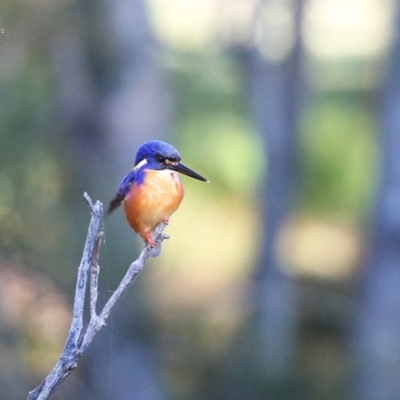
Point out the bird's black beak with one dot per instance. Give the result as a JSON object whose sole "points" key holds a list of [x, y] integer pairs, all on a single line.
{"points": [[186, 171]]}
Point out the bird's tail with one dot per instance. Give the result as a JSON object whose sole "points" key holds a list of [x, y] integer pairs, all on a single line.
{"points": [[115, 203]]}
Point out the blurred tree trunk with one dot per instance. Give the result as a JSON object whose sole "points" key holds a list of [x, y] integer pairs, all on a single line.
{"points": [[275, 79], [377, 324], [137, 109], [113, 98]]}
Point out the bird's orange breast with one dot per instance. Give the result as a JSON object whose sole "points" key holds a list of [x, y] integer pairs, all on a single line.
{"points": [[154, 200]]}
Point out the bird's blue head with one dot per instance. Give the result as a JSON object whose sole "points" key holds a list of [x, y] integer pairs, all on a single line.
{"points": [[156, 151], [159, 155]]}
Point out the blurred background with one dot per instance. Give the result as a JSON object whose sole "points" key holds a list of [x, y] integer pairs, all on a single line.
{"points": [[282, 276]]}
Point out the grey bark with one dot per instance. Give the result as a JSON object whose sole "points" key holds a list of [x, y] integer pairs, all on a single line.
{"points": [[80, 335]]}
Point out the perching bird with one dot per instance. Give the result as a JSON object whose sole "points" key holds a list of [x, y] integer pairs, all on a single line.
{"points": [[153, 190]]}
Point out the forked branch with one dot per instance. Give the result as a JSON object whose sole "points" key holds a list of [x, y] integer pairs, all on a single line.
{"points": [[81, 334]]}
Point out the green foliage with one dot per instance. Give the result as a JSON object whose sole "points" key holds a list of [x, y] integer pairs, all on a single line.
{"points": [[339, 155], [213, 122]]}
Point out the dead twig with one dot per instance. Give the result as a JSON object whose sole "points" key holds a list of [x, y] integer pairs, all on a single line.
{"points": [[80, 335]]}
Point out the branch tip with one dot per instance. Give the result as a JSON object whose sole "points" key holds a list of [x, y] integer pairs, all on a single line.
{"points": [[88, 200]]}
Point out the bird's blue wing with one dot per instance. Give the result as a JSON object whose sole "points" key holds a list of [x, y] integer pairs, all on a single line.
{"points": [[123, 190]]}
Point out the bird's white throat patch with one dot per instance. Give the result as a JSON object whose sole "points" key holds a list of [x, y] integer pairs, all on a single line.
{"points": [[140, 164]]}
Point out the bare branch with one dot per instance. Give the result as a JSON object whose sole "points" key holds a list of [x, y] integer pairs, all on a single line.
{"points": [[94, 276], [80, 337]]}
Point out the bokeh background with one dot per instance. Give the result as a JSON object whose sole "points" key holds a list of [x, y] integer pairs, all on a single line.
{"points": [[282, 276]]}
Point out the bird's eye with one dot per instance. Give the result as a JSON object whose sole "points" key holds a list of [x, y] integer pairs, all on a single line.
{"points": [[160, 159]]}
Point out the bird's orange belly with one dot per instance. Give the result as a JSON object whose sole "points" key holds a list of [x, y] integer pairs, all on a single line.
{"points": [[154, 200]]}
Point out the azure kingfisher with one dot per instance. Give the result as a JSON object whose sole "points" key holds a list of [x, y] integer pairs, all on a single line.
{"points": [[153, 190]]}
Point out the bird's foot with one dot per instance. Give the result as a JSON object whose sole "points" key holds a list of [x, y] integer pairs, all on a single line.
{"points": [[153, 240], [149, 240]]}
